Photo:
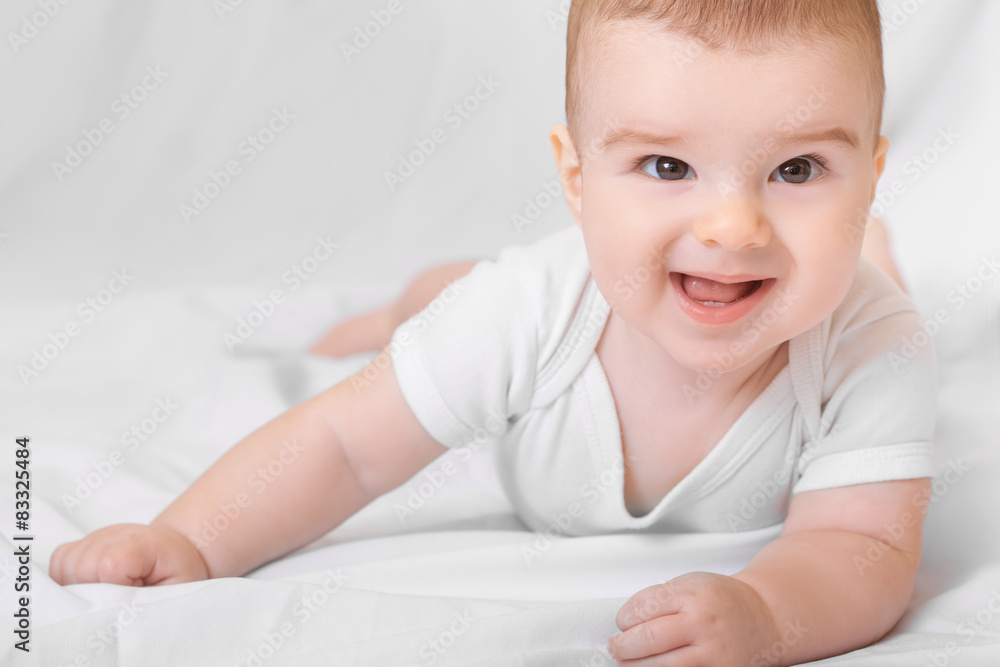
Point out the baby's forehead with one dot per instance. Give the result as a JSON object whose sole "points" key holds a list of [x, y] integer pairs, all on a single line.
{"points": [[633, 62], [609, 35]]}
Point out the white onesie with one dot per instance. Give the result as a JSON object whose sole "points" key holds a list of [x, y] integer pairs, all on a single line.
{"points": [[510, 350]]}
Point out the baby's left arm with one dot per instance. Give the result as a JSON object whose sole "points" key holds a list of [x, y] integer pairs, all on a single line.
{"points": [[839, 577]]}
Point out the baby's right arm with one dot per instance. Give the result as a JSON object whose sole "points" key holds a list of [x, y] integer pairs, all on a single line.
{"points": [[282, 487]]}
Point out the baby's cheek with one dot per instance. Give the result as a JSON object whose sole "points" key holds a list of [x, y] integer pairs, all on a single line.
{"points": [[823, 292], [608, 262]]}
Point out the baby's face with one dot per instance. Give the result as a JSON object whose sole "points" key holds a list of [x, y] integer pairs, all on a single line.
{"points": [[723, 196]]}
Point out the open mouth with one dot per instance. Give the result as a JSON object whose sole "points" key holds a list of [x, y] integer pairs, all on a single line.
{"points": [[723, 301], [715, 294]]}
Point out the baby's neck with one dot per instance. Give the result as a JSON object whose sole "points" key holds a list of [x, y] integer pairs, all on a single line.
{"points": [[674, 384]]}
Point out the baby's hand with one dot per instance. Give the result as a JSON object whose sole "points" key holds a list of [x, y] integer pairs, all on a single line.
{"points": [[695, 619], [129, 554]]}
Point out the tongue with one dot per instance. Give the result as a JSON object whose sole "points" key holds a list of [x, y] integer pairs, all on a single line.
{"points": [[703, 289]]}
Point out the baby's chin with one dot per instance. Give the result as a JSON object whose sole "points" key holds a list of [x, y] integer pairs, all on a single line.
{"points": [[719, 362], [722, 359]]}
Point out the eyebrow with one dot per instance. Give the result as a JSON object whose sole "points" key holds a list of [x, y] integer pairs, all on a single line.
{"points": [[621, 136], [835, 134]]}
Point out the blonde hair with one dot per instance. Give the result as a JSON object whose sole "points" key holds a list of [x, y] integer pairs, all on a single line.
{"points": [[752, 26]]}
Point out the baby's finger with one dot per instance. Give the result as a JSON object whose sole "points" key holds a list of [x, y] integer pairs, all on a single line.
{"points": [[659, 635], [659, 600], [82, 568], [97, 562], [57, 564], [72, 562], [126, 563], [686, 656], [177, 566]]}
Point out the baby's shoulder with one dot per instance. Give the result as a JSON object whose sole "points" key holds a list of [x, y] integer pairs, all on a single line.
{"points": [[554, 260], [876, 331], [497, 342], [539, 283], [874, 307]]}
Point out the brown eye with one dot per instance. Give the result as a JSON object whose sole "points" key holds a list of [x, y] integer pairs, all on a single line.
{"points": [[799, 170], [668, 169]]}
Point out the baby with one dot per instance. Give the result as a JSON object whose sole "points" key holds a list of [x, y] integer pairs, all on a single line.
{"points": [[708, 334]]}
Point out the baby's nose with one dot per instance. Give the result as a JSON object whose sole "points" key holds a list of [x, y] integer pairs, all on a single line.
{"points": [[733, 226]]}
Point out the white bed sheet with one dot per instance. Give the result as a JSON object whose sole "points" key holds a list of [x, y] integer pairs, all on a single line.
{"points": [[455, 573]]}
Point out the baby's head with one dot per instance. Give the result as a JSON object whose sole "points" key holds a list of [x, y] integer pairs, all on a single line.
{"points": [[721, 157], [841, 28]]}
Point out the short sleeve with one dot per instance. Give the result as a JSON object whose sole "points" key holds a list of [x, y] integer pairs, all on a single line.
{"points": [[468, 362], [879, 392]]}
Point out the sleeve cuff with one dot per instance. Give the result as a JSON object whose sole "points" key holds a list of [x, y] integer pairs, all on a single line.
{"points": [[421, 395], [910, 460]]}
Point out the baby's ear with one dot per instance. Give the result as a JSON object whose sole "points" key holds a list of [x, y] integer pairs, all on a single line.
{"points": [[568, 164], [881, 148]]}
